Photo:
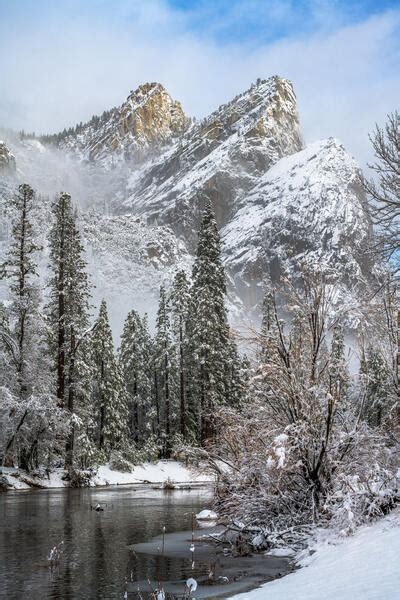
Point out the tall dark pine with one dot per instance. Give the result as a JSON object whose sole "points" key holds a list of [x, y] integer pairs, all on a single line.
{"points": [[208, 329], [179, 306], [135, 366], [109, 394], [268, 323], [164, 366], [69, 301], [21, 269]]}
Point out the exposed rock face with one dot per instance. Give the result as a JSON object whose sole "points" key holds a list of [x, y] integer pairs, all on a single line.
{"points": [[220, 158], [7, 160], [307, 210], [149, 118]]}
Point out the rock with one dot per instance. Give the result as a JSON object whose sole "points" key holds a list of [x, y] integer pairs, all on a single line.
{"points": [[4, 483], [149, 118]]}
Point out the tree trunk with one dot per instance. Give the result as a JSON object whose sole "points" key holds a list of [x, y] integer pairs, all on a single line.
{"points": [[158, 423], [182, 382], [61, 317], [167, 410], [7, 460], [102, 410], [69, 449], [21, 293], [135, 411]]}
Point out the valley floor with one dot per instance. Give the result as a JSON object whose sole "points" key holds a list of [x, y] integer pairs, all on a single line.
{"points": [[365, 566], [150, 473]]}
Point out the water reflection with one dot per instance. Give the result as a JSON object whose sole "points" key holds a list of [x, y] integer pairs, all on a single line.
{"points": [[96, 559]]}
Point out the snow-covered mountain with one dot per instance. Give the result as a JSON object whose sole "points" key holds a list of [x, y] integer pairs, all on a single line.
{"points": [[142, 172]]}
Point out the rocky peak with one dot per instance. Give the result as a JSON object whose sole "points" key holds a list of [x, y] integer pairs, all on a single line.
{"points": [[148, 119], [151, 115], [7, 160], [265, 114]]}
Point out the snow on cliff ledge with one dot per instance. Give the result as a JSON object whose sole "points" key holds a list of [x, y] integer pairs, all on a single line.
{"points": [[307, 206]]}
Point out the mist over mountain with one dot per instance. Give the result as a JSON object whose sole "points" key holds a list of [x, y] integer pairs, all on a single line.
{"points": [[141, 173]]}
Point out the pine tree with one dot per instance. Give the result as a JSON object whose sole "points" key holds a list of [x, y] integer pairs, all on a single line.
{"points": [[267, 313], [339, 378], [164, 365], [69, 303], [211, 352], [376, 374], [21, 270], [237, 375], [179, 303], [109, 395], [134, 362]]}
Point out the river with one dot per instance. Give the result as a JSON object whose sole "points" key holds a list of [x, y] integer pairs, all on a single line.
{"points": [[96, 558]]}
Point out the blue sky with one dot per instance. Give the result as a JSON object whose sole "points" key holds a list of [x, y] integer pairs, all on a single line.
{"points": [[251, 21], [63, 60], [261, 21]]}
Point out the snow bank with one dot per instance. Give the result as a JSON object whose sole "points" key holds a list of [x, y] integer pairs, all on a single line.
{"points": [[362, 567], [154, 473], [158, 472]]}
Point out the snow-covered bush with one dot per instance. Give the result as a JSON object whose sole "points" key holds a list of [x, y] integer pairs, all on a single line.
{"points": [[79, 478], [149, 452], [87, 453], [301, 451], [264, 479], [119, 463]]}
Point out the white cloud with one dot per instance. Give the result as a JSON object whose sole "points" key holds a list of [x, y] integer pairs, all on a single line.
{"points": [[59, 69]]}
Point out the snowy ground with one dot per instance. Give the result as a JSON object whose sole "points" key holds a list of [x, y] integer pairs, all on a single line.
{"points": [[365, 566], [152, 473]]}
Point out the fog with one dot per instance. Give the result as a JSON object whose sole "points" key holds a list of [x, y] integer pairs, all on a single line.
{"points": [[62, 62]]}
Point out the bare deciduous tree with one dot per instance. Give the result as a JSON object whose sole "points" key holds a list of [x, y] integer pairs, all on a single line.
{"points": [[384, 191]]}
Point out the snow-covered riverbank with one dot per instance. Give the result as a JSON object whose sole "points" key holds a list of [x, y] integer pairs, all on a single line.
{"points": [[365, 566], [157, 473]]}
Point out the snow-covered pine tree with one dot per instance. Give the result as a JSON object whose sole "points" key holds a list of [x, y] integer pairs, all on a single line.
{"points": [[134, 362], [237, 376], [339, 377], [179, 306], [21, 270], [268, 319], [208, 330], [375, 373], [109, 395], [31, 424], [69, 290], [7, 350], [69, 303], [165, 374], [267, 316]]}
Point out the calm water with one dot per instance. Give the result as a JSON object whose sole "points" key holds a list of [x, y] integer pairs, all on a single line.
{"points": [[96, 555]]}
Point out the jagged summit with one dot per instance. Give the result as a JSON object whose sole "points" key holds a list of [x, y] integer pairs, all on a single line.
{"points": [[257, 112], [149, 117]]}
